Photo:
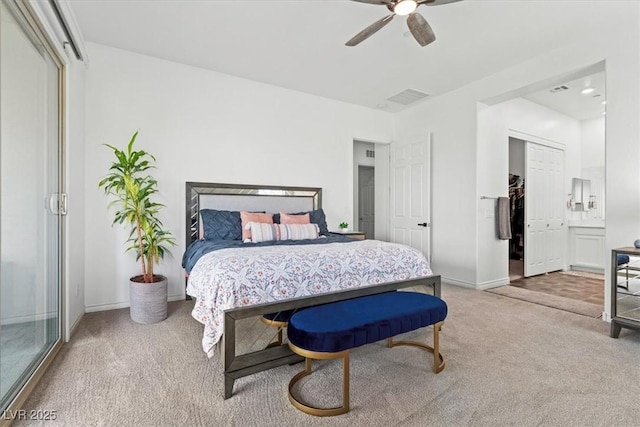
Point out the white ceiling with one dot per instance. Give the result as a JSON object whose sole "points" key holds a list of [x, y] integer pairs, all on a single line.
{"points": [[572, 102], [300, 44]]}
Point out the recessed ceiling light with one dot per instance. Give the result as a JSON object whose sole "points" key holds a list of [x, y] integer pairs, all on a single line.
{"points": [[604, 102], [587, 90], [604, 113]]}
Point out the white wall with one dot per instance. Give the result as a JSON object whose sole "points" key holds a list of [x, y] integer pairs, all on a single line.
{"points": [[593, 142], [516, 157], [494, 125], [209, 127], [453, 119], [593, 163]]}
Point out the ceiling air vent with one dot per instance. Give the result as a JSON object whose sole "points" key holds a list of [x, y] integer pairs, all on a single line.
{"points": [[558, 89], [408, 96]]}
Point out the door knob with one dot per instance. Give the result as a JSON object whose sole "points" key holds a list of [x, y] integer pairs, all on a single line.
{"points": [[424, 224]]}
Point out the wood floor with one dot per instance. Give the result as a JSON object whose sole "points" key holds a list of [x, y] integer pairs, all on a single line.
{"points": [[587, 287]]}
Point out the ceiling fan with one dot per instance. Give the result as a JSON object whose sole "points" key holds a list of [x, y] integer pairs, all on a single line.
{"points": [[418, 26]]}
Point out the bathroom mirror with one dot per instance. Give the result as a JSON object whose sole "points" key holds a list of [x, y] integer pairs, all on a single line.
{"points": [[580, 194]]}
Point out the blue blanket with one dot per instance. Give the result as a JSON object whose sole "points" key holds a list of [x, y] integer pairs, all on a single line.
{"points": [[202, 247]]}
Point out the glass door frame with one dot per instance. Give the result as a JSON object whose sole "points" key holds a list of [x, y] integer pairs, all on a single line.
{"points": [[28, 17]]}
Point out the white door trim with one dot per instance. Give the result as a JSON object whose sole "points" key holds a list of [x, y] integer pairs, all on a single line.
{"points": [[513, 133]]}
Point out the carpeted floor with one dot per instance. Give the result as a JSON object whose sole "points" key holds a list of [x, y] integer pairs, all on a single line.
{"points": [[509, 362]]}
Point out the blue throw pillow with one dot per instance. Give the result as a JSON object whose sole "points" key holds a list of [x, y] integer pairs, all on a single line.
{"points": [[221, 225], [318, 217], [315, 217]]}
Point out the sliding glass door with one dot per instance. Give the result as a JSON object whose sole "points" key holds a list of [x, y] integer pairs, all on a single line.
{"points": [[30, 182]]}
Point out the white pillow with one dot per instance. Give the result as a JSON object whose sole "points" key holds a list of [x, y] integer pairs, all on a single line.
{"points": [[298, 231], [261, 232]]}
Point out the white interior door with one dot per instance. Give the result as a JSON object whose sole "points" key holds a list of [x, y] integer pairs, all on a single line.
{"points": [[555, 210], [410, 216], [534, 240], [544, 242]]}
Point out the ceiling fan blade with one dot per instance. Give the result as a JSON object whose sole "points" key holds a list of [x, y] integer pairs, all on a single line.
{"points": [[434, 2], [382, 2], [369, 31], [420, 29]]}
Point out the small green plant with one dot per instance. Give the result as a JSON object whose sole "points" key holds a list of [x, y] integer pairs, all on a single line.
{"points": [[343, 225], [132, 187]]}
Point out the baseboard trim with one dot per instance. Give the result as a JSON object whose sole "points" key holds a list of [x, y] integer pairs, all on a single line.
{"points": [[125, 304], [493, 284], [457, 282], [586, 269], [479, 286]]}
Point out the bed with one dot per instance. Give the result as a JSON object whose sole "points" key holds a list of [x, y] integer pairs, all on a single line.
{"points": [[233, 280]]}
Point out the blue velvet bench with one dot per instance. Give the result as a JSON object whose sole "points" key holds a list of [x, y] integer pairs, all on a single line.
{"points": [[329, 331], [623, 263]]}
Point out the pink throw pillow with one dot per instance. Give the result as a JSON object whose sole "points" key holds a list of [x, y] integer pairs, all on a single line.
{"points": [[294, 219], [247, 217]]}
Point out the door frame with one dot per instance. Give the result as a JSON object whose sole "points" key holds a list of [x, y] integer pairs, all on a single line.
{"points": [[527, 137], [383, 185], [31, 18]]}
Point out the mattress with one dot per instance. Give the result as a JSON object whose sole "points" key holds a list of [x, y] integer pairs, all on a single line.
{"points": [[244, 276]]}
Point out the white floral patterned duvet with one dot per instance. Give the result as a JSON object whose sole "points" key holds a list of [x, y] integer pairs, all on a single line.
{"points": [[237, 277]]}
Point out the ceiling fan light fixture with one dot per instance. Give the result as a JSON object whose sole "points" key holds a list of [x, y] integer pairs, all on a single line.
{"points": [[405, 7]]}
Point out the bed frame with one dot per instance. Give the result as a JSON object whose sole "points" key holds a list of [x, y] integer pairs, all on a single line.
{"points": [[270, 199]]}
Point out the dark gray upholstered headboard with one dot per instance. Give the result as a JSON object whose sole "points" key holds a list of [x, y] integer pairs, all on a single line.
{"points": [[238, 197]]}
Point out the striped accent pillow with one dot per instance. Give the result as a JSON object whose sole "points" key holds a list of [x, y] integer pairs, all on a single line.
{"points": [[298, 231], [262, 232]]}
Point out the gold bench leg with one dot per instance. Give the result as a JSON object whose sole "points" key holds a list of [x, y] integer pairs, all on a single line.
{"points": [[308, 355], [275, 324], [438, 359]]}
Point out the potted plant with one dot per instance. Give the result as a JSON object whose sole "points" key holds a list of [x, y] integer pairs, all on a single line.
{"points": [[131, 189], [344, 226]]}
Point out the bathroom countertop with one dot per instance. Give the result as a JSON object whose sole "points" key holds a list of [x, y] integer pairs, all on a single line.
{"points": [[587, 223]]}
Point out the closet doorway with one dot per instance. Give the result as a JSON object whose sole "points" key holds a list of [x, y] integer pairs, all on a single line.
{"points": [[536, 178], [366, 196], [364, 188], [516, 181]]}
